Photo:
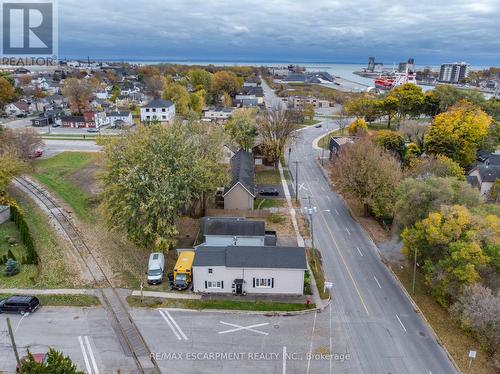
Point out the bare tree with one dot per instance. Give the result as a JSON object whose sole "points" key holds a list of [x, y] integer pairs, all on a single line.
{"points": [[79, 92], [154, 85], [23, 141], [414, 132], [342, 120], [276, 128]]}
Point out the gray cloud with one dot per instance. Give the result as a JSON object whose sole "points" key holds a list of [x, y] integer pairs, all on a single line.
{"points": [[314, 30]]}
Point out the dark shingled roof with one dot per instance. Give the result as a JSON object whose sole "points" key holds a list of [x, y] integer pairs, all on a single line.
{"points": [[159, 103], [232, 226], [210, 256], [252, 257], [489, 173], [242, 170]]}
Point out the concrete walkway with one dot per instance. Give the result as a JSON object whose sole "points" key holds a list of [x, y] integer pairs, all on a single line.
{"points": [[167, 295]]}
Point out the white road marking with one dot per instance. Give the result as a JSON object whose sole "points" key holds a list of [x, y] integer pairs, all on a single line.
{"points": [[91, 354], [401, 323], [301, 186], [284, 360], [170, 325], [175, 324], [311, 345], [376, 280], [346, 229], [328, 197], [336, 211], [238, 328], [85, 358], [359, 251]]}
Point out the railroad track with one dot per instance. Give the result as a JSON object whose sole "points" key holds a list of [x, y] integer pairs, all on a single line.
{"points": [[114, 305]]}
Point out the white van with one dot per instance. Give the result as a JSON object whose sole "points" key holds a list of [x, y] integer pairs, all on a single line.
{"points": [[156, 266]]}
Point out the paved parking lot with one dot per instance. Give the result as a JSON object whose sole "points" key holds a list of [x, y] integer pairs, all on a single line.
{"points": [[84, 334], [220, 342]]}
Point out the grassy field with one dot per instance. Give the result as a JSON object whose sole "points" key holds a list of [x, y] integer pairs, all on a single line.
{"points": [[65, 300], [135, 301], [261, 203], [268, 177], [54, 172], [452, 336], [8, 230], [53, 271]]}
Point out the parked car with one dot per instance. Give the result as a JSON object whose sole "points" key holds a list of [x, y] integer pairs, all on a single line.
{"points": [[318, 125], [19, 304], [156, 266], [36, 154], [38, 357], [56, 125], [92, 129], [269, 191], [21, 115]]}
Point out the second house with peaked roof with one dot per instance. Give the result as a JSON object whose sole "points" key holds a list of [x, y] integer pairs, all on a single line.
{"points": [[158, 110], [241, 192]]}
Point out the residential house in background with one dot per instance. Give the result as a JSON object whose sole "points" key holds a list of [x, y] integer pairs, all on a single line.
{"points": [[218, 113], [224, 231], [18, 108], [337, 143], [487, 170], [298, 102], [158, 110], [241, 193], [88, 119], [48, 118], [123, 117], [249, 270]]}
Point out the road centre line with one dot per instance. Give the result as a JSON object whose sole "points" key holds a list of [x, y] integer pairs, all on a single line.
{"points": [[311, 344], [401, 323], [359, 251], [376, 280]]}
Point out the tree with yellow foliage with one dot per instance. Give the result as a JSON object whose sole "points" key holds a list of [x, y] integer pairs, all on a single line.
{"points": [[458, 133], [358, 127]]}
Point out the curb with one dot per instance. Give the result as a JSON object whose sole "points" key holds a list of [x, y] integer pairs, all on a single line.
{"points": [[395, 277]]}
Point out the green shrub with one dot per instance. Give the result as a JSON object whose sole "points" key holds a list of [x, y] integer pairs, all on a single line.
{"points": [[18, 218], [11, 268]]}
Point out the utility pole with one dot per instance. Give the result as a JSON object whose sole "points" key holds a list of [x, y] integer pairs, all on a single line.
{"points": [[414, 271], [14, 347], [296, 181]]}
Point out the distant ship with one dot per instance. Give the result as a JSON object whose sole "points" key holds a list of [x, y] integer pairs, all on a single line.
{"points": [[386, 83]]}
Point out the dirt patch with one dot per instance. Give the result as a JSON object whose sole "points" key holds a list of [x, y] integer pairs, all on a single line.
{"points": [[86, 178]]}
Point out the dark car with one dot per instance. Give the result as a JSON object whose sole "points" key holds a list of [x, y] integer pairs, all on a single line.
{"points": [[36, 154], [269, 191], [19, 304], [40, 358], [92, 129], [318, 125]]}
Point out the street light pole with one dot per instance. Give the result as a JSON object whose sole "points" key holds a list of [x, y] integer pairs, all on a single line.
{"points": [[14, 346], [296, 181]]}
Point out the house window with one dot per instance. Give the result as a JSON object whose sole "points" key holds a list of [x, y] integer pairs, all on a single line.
{"points": [[164, 117], [154, 109], [210, 271], [263, 282], [214, 284], [147, 110], [163, 109], [148, 117]]}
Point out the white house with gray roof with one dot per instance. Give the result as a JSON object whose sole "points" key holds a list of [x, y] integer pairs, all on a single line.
{"points": [[241, 192], [252, 270], [158, 110]]}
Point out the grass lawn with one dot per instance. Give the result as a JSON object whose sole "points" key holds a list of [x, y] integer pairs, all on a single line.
{"points": [[310, 122], [324, 142], [52, 272], [268, 177], [317, 270], [261, 203], [135, 301], [65, 300], [54, 172], [8, 230], [452, 336]]}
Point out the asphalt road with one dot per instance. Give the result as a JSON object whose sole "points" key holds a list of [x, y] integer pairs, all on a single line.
{"points": [[55, 146], [383, 333]]}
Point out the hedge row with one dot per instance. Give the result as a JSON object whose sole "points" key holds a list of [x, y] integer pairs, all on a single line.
{"points": [[17, 217]]}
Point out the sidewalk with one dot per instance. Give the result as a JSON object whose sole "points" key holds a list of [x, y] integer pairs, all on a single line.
{"points": [[55, 291]]}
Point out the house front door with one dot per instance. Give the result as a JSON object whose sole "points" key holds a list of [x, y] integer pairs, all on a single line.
{"points": [[239, 288]]}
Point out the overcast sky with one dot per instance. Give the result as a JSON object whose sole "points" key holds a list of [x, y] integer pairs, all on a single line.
{"points": [[431, 31]]}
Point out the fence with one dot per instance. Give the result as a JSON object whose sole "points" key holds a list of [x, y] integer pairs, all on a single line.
{"points": [[254, 213]]}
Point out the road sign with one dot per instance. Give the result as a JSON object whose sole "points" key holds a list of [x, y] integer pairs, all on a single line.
{"points": [[327, 286], [472, 354]]}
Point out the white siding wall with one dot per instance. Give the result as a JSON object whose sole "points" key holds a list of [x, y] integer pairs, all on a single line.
{"points": [[223, 241], [158, 114], [286, 281]]}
